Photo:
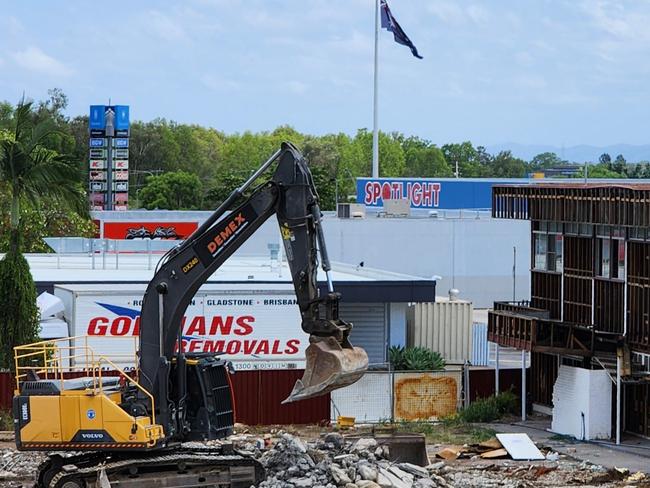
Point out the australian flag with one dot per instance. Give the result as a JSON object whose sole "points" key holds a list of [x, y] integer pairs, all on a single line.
{"points": [[389, 23]]}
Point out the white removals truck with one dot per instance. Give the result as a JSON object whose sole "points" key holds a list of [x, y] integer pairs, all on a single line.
{"points": [[256, 326]]}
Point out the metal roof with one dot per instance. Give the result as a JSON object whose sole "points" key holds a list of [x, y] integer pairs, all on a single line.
{"points": [[137, 267], [356, 284]]}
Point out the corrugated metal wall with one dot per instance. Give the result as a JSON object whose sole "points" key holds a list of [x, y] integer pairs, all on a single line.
{"points": [[258, 397], [7, 385], [370, 328], [445, 327], [480, 345], [481, 382]]}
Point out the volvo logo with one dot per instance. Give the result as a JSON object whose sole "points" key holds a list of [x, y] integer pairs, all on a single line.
{"points": [[92, 436]]}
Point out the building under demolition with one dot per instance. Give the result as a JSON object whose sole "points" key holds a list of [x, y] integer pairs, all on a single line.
{"points": [[590, 298]]}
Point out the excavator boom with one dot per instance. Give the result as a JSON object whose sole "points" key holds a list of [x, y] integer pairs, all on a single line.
{"points": [[331, 362], [131, 428]]}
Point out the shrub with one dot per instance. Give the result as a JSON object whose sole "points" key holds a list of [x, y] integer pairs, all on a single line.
{"points": [[415, 359], [490, 409], [19, 321]]}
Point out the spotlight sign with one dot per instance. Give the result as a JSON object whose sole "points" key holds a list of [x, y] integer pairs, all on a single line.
{"points": [[427, 193]]}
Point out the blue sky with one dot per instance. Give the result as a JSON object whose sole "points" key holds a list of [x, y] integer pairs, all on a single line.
{"points": [[559, 72]]}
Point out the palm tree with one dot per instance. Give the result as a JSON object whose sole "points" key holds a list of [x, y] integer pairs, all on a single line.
{"points": [[33, 174]]}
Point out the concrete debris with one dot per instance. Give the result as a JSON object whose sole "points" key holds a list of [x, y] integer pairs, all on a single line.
{"points": [[367, 472], [332, 462], [636, 477], [366, 484], [364, 444], [414, 470]]}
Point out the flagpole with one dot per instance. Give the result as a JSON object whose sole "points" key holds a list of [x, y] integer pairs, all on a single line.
{"points": [[375, 128]]}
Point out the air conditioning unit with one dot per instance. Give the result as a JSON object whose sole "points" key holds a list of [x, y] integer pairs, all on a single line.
{"points": [[351, 210], [397, 207]]}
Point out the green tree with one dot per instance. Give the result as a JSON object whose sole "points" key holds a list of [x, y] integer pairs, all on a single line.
{"points": [[505, 165], [599, 170], [222, 186], [19, 322], [30, 175], [323, 157], [605, 159], [176, 190], [546, 160], [391, 154], [423, 159], [464, 158], [619, 164]]}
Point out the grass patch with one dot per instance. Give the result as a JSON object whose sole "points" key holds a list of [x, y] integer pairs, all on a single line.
{"points": [[445, 432]]}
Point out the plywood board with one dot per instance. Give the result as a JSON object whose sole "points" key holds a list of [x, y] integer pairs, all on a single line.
{"points": [[497, 453], [520, 447]]}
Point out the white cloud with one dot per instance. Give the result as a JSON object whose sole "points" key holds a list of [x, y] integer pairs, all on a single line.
{"points": [[12, 25], [524, 58], [448, 12], [478, 14], [297, 87], [531, 81], [629, 24], [165, 27], [36, 60], [355, 43], [267, 20], [219, 83], [452, 13]]}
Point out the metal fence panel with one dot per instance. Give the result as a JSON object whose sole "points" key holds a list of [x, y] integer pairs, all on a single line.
{"points": [[427, 395], [368, 400]]}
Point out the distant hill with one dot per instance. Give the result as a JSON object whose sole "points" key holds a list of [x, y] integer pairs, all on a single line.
{"points": [[576, 154]]}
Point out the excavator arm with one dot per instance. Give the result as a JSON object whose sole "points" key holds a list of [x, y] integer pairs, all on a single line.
{"points": [[332, 362]]}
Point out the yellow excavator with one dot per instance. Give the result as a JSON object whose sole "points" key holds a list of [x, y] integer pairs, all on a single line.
{"points": [[139, 429]]}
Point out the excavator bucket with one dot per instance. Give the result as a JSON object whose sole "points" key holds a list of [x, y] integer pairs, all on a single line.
{"points": [[330, 365]]}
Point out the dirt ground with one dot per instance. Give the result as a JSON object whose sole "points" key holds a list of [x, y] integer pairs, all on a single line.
{"points": [[569, 466]]}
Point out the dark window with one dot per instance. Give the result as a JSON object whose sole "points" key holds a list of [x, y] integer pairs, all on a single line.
{"points": [[548, 252], [611, 258]]}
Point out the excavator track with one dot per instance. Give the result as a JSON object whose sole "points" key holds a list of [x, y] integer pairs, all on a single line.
{"points": [[178, 467]]}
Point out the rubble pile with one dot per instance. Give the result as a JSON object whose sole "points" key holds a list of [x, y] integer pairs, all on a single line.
{"points": [[332, 462], [15, 465]]}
